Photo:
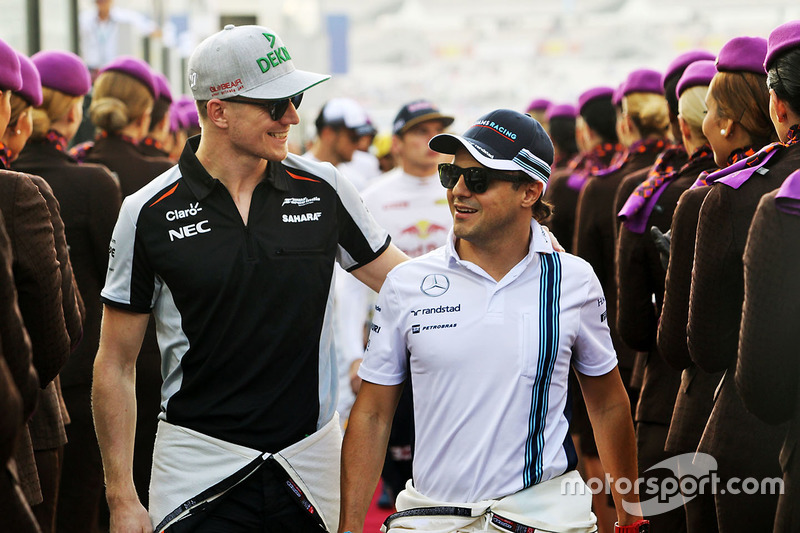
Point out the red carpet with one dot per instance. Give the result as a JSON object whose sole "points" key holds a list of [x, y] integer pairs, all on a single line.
{"points": [[375, 515]]}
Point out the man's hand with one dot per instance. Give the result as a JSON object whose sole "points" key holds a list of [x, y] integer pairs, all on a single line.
{"points": [[129, 517], [556, 245]]}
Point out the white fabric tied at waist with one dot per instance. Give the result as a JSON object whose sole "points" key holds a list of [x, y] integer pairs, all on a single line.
{"points": [[542, 508], [187, 462]]}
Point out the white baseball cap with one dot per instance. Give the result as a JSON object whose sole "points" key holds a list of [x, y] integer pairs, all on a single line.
{"points": [[248, 61], [345, 112]]}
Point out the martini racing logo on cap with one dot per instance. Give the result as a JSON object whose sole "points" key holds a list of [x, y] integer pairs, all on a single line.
{"points": [[508, 134]]}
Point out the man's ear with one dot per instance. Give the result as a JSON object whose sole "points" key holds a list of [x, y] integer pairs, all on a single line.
{"points": [[217, 114], [532, 192]]}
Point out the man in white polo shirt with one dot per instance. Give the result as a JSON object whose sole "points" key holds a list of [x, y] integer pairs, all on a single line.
{"points": [[487, 327]]}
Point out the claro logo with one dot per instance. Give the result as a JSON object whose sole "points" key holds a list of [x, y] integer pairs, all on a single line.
{"points": [[189, 230]]}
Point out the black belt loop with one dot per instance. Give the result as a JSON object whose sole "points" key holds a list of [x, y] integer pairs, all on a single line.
{"points": [[429, 511]]}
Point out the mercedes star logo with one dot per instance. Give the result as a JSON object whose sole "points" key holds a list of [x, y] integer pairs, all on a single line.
{"points": [[435, 284]]}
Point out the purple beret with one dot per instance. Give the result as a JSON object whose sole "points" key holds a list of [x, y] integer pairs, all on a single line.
{"points": [[63, 71], [616, 98], [176, 119], [594, 93], [10, 75], [561, 111], [781, 39], [743, 54], [31, 90], [190, 117], [684, 60], [644, 80], [162, 83], [136, 68], [539, 104], [697, 74]]}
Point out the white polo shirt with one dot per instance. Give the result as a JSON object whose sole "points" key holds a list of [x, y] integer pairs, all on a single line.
{"points": [[489, 363]]}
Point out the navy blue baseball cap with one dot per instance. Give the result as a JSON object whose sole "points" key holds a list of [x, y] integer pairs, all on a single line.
{"points": [[503, 140]]}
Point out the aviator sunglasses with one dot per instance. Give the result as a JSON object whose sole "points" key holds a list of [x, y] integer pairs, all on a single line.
{"points": [[275, 108], [475, 178]]}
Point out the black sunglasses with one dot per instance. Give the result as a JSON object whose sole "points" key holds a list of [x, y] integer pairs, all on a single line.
{"points": [[475, 178], [275, 108]]}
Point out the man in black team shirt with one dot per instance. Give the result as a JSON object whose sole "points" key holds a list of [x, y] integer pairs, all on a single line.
{"points": [[233, 251]]}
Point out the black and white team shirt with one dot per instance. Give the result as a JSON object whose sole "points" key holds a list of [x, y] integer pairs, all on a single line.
{"points": [[243, 312]]}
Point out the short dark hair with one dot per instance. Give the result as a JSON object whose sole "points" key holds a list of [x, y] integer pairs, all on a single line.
{"points": [[160, 108], [783, 77]]}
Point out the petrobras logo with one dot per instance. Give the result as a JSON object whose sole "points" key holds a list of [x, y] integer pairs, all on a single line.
{"points": [[417, 328], [192, 210], [301, 202], [437, 310]]}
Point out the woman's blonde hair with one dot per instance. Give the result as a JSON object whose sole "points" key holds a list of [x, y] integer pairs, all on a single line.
{"points": [[692, 106], [55, 106], [118, 100], [648, 111]]}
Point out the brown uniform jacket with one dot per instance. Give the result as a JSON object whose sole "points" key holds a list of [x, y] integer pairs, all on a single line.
{"points": [[768, 367], [641, 277], [715, 312], [133, 169], [90, 197], [695, 396], [594, 239]]}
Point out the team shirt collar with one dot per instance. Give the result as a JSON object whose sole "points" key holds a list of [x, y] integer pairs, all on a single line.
{"points": [[201, 183], [540, 243]]}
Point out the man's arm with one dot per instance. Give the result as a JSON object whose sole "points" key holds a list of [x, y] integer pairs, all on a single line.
{"points": [[373, 273], [114, 409], [610, 414], [364, 449]]}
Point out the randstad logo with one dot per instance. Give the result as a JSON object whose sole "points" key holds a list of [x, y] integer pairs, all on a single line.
{"points": [[273, 58]]}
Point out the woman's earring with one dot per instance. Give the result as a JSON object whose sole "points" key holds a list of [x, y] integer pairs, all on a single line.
{"points": [[19, 132], [723, 131]]}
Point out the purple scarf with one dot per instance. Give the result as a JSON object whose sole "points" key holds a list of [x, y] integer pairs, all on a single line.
{"points": [[637, 209]]}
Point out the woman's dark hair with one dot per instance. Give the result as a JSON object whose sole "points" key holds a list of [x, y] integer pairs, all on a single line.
{"points": [[562, 132], [601, 117], [160, 108], [670, 84], [783, 77]]}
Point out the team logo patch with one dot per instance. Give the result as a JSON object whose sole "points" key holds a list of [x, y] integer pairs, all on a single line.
{"points": [[435, 285], [304, 201]]}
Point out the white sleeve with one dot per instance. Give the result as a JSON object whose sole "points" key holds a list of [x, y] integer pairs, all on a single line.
{"points": [[385, 359], [593, 352]]}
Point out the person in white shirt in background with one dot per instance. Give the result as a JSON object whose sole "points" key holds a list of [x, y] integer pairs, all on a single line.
{"points": [[409, 203], [363, 168], [107, 32]]}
